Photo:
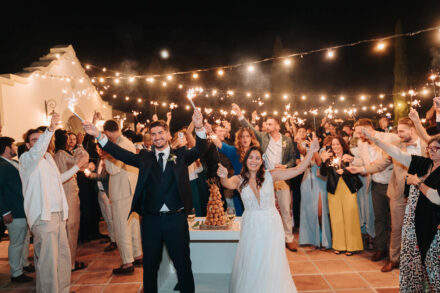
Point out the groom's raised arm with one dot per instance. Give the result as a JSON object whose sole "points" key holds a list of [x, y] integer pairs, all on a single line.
{"points": [[116, 151], [201, 144]]}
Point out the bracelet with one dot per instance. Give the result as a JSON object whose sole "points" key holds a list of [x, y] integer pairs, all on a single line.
{"points": [[418, 184]]}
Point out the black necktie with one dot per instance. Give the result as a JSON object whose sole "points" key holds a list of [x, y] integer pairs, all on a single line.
{"points": [[161, 162]]}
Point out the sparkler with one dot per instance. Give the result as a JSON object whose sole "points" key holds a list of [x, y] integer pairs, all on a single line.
{"points": [[71, 107], [192, 92], [314, 112]]}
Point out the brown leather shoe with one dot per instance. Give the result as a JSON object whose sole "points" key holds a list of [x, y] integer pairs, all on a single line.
{"points": [[378, 255], [292, 246], [389, 266]]}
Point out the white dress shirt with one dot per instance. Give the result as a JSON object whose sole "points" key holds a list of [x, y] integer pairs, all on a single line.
{"points": [[415, 150], [43, 191], [274, 151]]}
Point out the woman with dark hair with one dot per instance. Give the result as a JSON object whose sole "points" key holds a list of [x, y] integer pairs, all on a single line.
{"points": [[260, 262], [420, 253], [65, 161], [244, 139], [342, 187]]}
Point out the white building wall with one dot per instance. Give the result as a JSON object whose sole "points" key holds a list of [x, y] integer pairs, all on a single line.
{"points": [[22, 97]]}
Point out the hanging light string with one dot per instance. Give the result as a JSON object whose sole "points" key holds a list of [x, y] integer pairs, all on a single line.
{"points": [[284, 57]]}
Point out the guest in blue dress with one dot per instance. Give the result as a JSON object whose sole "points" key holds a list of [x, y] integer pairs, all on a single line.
{"points": [[315, 224]]}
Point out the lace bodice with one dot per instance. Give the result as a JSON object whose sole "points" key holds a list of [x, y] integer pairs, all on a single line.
{"points": [[267, 197]]}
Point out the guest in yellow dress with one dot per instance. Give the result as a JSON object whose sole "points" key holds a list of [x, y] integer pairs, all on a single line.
{"points": [[342, 188]]}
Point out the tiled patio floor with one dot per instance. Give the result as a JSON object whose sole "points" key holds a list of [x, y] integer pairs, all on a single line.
{"points": [[313, 271]]}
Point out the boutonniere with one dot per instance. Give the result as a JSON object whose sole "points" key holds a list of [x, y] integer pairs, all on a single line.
{"points": [[284, 144], [172, 158]]}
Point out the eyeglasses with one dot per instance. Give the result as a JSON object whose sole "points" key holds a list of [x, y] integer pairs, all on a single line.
{"points": [[433, 148]]}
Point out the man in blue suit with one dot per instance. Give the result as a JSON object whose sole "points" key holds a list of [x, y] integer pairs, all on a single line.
{"points": [[12, 211], [162, 197]]}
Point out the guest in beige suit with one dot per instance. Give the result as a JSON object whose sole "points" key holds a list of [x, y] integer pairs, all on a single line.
{"points": [[408, 142], [122, 183], [46, 209], [65, 161]]}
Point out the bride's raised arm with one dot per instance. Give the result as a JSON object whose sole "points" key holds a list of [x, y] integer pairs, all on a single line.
{"points": [[229, 183], [285, 174]]}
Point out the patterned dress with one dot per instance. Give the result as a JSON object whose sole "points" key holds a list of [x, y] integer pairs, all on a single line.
{"points": [[417, 275]]}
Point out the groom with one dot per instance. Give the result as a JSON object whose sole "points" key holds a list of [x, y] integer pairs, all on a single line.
{"points": [[162, 197]]}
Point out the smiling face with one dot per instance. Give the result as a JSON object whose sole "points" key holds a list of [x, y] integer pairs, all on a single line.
{"points": [[337, 147], [434, 151], [254, 161], [301, 133], [159, 137], [405, 133]]}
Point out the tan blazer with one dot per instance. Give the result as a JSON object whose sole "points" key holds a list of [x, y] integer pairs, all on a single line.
{"points": [[65, 161], [123, 178], [396, 187]]}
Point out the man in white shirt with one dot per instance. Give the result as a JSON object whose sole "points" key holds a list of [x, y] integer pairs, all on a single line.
{"points": [[409, 142], [378, 182], [46, 209]]}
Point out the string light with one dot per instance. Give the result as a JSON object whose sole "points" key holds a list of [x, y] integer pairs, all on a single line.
{"points": [[131, 79], [330, 54], [251, 68], [287, 62], [164, 54], [220, 72], [170, 77], [342, 98], [303, 97], [150, 79], [380, 46], [323, 98], [195, 75]]}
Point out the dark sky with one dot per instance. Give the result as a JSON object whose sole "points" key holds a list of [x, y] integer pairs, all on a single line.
{"points": [[218, 33]]}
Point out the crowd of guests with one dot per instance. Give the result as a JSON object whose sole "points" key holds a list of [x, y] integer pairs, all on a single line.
{"points": [[371, 186]]}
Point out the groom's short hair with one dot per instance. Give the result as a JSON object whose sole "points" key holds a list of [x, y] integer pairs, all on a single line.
{"points": [[159, 123], [111, 126]]}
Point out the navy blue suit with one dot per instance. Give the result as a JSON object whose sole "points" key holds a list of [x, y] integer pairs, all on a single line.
{"points": [[153, 189], [11, 193]]}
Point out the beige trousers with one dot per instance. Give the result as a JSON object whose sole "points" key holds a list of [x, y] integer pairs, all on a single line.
{"points": [[72, 225], [106, 210], [51, 255], [284, 198], [397, 208], [127, 232], [18, 249]]}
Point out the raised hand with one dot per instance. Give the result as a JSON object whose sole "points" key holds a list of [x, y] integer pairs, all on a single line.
{"points": [[325, 155], [197, 118], [54, 121], [169, 115], [91, 129], [237, 110], [314, 146], [347, 158], [79, 138], [155, 118], [96, 117], [413, 115], [222, 172], [254, 115]]}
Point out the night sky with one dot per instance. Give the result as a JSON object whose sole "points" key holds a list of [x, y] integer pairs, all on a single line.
{"points": [[217, 33]]}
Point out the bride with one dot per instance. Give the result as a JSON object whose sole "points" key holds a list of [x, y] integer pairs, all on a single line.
{"points": [[260, 262]]}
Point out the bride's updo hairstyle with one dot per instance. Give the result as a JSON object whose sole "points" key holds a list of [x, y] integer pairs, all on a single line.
{"points": [[245, 171]]}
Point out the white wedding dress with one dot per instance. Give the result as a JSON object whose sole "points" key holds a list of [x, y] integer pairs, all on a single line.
{"points": [[260, 263]]}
